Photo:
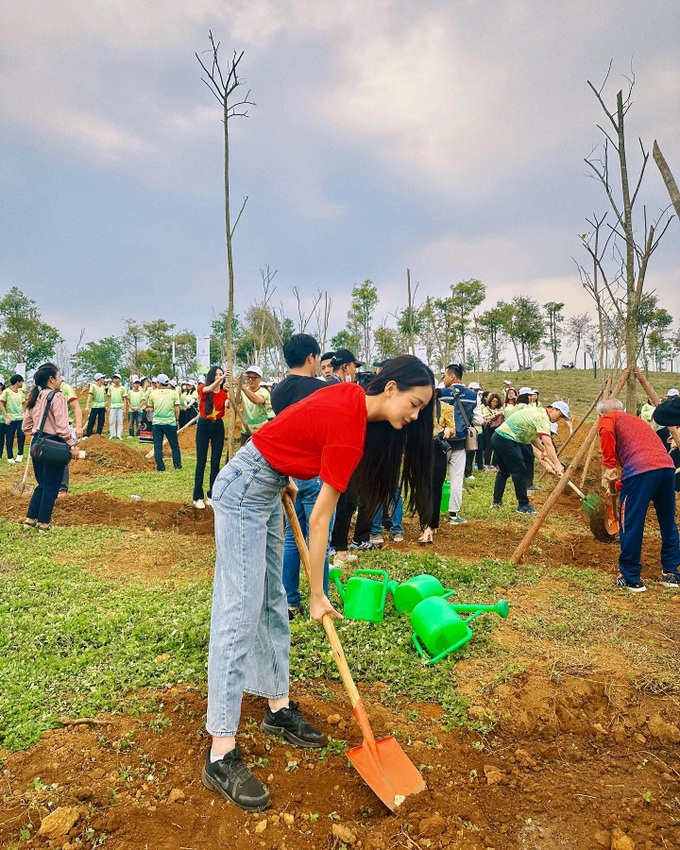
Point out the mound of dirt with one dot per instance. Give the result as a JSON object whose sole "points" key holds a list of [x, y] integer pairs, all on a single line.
{"points": [[96, 508], [111, 457]]}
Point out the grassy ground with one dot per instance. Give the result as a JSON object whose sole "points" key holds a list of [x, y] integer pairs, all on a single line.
{"points": [[77, 641]]}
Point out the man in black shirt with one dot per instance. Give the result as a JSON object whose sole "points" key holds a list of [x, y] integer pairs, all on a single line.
{"points": [[302, 358], [301, 353]]}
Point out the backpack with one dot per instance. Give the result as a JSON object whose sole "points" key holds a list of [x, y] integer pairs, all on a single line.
{"points": [[462, 413]]}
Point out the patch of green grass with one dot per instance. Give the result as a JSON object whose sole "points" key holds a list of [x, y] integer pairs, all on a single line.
{"points": [[73, 644], [171, 485]]}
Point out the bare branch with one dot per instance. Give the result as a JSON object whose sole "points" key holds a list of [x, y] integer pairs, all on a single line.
{"points": [[238, 217]]}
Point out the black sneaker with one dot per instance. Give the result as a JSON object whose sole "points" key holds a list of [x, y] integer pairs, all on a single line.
{"points": [[634, 587], [671, 580], [233, 780], [300, 611], [290, 723]]}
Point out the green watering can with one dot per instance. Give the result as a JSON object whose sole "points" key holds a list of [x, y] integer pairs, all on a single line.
{"points": [[412, 591], [362, 598], [437, 625]]}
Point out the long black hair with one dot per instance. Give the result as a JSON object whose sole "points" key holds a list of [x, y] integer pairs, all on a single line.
{"points": [[402, 457], [209, 379], [40, 379]]}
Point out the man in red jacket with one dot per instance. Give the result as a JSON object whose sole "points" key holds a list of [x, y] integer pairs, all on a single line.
{"points": [[647, 475]]}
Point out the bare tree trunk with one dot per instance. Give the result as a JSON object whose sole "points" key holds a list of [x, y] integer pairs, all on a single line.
{"points": [[668, 178], [411, 334]]}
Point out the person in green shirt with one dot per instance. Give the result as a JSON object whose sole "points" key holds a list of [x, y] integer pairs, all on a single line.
{"points": [[163, 402], [136, 400], [12, 402], [75, 419], [117, 395], [96, 405], [529, 426], [254, 400]]}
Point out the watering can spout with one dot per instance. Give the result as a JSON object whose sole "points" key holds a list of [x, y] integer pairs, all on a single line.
{"points": [[392, 586]]}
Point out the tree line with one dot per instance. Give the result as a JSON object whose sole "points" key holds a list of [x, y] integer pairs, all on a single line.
{"points": [[515, 334]]}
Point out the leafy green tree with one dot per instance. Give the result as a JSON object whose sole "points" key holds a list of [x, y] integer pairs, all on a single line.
{"points": [[157, 356], [185, 353], [465, 297], [524, 324], [360, 315], [104, 356], [345, 339], [491, 324], [133, 341], [24, 337], [388, 342], [553, 312]]}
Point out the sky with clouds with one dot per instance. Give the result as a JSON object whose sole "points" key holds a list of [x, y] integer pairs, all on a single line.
{"points": [[447, 136]]}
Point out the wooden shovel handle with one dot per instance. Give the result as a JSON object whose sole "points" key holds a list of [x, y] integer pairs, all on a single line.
{"points": [[551, 469], [327, 621]]}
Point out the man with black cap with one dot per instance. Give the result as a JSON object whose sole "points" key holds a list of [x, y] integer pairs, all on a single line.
{"points": [[345, 366]]}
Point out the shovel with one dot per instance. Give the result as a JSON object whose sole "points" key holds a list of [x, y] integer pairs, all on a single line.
{"points": [[21, 488], [382, 764], [603, 522]]}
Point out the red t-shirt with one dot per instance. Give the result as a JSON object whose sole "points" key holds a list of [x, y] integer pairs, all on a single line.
{"points": [[632, 443], [219, 400], [322, 435]]}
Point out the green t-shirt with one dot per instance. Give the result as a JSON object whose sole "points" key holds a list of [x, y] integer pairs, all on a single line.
{"points": [[255, 415], [511, 409], [98, 395], [163, 404], [136, 398], [67, 390], [13, 403], [525, 424], [117, 396]]}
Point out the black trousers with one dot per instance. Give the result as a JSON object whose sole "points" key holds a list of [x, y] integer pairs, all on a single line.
{"points": [[209, 432], [13, 428], [96, 414], [44, 496], [347, 504], [510, 460], [438, 479]]}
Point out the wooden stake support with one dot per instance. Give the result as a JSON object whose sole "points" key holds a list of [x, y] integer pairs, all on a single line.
{"points": [[526, 541]]}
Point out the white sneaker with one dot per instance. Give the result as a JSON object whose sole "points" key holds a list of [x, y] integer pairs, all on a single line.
{"points": [[377, 539], [200, 504], [208, 502], [10, 460], [19, 458]]}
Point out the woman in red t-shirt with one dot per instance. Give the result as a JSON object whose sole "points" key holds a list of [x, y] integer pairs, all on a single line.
{"points": [[212, 402], [380, 433]]}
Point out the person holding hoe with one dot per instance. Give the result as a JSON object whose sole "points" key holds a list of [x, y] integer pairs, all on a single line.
{"points": [[530, 426], [384, 433]]}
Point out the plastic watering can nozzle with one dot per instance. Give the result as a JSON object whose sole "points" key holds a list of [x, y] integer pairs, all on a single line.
{"points": [[392, 586]]}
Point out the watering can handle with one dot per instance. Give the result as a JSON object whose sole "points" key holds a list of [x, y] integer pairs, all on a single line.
{"points": [[448, 594]]}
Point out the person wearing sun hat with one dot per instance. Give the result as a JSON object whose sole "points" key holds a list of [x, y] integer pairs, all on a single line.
{"points": [[530, 426], [96, 404], [163, 402], [117, 395], [254, 401]]}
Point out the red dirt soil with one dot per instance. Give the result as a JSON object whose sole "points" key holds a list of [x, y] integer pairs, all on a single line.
{"points": [[567, 770]]}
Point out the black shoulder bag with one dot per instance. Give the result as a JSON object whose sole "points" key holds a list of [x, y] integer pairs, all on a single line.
{"points": [[45, 449]]}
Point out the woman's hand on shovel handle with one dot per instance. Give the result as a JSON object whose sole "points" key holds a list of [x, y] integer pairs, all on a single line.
{"points": [[320, 606]]}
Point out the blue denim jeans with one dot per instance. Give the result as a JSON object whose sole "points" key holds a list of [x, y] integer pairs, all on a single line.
{"points": [[249, 631], [304, 504], [397, 517]]}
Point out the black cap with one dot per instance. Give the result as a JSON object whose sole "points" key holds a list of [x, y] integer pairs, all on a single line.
{"points": [[668, 412], [380, 363], [344, 355]]}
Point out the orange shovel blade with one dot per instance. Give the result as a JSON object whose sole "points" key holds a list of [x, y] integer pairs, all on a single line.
{"points": [[389, 772]]}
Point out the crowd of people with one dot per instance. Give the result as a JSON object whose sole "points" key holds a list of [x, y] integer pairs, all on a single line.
{"points": [[337, 447]]}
